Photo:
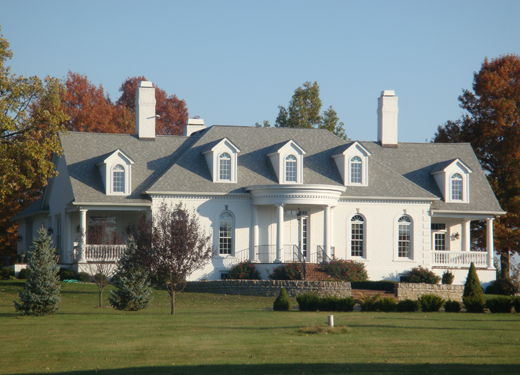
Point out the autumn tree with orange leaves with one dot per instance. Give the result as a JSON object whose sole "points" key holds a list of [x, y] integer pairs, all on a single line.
{"points": [[492, 126]]}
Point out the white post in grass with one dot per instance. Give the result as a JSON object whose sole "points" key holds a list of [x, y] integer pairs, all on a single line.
{"points": [[331, 320]]}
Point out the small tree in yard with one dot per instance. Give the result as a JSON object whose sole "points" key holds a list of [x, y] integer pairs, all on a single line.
{"points": [[132, 283], [473, 296], [172, 245], [41, 295]]}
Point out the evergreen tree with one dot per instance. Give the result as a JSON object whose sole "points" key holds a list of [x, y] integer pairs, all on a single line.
{"points": [[132, 282], [41, 295], [282, 302], [472, 288]]}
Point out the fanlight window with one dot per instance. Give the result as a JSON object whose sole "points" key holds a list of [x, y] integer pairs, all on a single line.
{"points": [[456, 187], [225, 233], [118, 180], [357, 236], [355, 170], [225, 167], [290, 168], [404, 242]]}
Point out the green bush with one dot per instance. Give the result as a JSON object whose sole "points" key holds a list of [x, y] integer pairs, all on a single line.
{"points": [[288, 271], [452, 306], [422, 275], [346, 270], [66, 274], [244, 270], [308, 302], [447, 277], [474, 304], [83, 277], [5, 272], [386, 304], [516, 304], [368, 303], [345, 304], [501, 304], [503, 286], [282, 302], [430, 302], [24, 274], [408, 305], [374, 285], [312, 302], [157, 280]]}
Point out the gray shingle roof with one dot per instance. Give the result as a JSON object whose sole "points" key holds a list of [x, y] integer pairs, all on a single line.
{"points": [[176, 164]]}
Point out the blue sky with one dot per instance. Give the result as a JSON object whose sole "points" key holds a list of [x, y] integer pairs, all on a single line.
{"points": [[234, 62]]}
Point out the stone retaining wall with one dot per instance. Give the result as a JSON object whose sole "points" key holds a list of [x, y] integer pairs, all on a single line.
{"points": [[414, 291], [270, 288]]}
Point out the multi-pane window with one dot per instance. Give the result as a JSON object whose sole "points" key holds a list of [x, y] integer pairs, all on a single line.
{"points": [[404, 242], [439, 236], [225, 167], [355, 170], [456, 187], [225, 234], [357, 236], [118, 180], [290, 168]]}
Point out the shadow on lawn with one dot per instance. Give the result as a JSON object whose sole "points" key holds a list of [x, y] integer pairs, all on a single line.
{"points": [[342, 368]]}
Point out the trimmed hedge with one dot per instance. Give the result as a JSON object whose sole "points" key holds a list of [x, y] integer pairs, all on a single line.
{"points": [[408, 305], [24, 274], [288, 271], [431, 302], [452, 306], [501, 304], [66, 274], [474, 304], [503, 286], [312, 302], [422, 275], [516, 304], [374, 285], [386, 304]]}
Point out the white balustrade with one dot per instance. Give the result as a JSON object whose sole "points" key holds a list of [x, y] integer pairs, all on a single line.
{"points": [[459, 258]]}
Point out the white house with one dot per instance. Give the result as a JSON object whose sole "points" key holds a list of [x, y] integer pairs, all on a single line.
{"points": [[269, 194]]}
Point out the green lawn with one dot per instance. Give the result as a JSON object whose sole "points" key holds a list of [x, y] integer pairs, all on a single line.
{"points": [[222, 334]]}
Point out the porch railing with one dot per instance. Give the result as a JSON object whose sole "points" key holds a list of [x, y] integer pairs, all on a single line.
{"points": [[101, 253], [267, 253], [447, 258], [322, 257]]}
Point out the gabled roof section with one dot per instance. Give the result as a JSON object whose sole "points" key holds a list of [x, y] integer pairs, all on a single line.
{"points": [[212, 145], [115, 153], [341, 150], [33, 209], [278, 147], [442, 166]]}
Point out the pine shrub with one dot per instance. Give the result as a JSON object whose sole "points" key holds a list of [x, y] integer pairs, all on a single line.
{"points": [[41, 295], [346, 270], [5, 272], [282, 302], [447, 278], [245, 271], [408, 305], [24, 274], [474, 304], [452, 306], [386, 304], [288, 271], [422, 275], [431, 302], [500, 304], [473, 296], [503, 286], [132, 282]]}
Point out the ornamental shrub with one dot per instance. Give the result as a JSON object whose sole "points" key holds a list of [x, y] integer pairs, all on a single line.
{"points": [[312, 302], [346, 270], [447, 277], [66, 274], [308, 302], [288, 271], [474, 304], [5, 272], [500, 304], [374, 285], [473, 296], [408, 305], [452, 306], [83, 277], [24, 274], [503, 286], [282, 302], [368, 303], [516, 304], [244, 270], [386, 304], [422, 275], [430, 302]]}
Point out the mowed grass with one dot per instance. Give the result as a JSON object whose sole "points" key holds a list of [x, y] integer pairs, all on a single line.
{"points": [[224, 334]]}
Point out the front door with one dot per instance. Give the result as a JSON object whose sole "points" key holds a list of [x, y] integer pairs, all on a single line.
{"points": [[296, 232]]}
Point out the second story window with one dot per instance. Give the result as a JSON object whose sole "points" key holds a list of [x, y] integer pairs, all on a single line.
{"points": [[355, 170], [290, 168], [456, 187], [225, 167], [118, 179]]}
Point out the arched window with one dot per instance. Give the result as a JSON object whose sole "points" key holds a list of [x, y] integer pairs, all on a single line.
{"points": [[290, 168], [225, 234], [225, 167], [118, 179], [355, 170], [357, 240], [404, 241], [456, 187]]}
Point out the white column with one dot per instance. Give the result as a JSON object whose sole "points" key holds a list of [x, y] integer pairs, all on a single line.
{"points": [[326, 230], [466, 235], [279, 234], [331, 230], [66, 254], [490, 250], [83, 234], [254, 234]]}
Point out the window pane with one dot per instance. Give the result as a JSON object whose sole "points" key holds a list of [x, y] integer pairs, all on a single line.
{"points": [[226, 233], [290, 168], [225, 169], [118, 180], [355, 170], [440, 241], [456, 187]]}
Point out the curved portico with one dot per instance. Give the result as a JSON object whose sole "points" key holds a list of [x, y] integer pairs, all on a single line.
{"points": [[326, 196]]}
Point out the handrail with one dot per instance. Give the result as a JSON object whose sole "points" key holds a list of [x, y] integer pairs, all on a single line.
{"points": [[448, 258]]}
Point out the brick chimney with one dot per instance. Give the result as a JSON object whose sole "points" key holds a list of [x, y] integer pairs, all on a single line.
{"points": [[387, 119], [145, 111]]}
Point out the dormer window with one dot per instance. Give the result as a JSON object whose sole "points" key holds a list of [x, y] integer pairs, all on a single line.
{"points": [[352, 162], [456, 187], [225, 167], [118, 179], [290, 168], [355, 170]]}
